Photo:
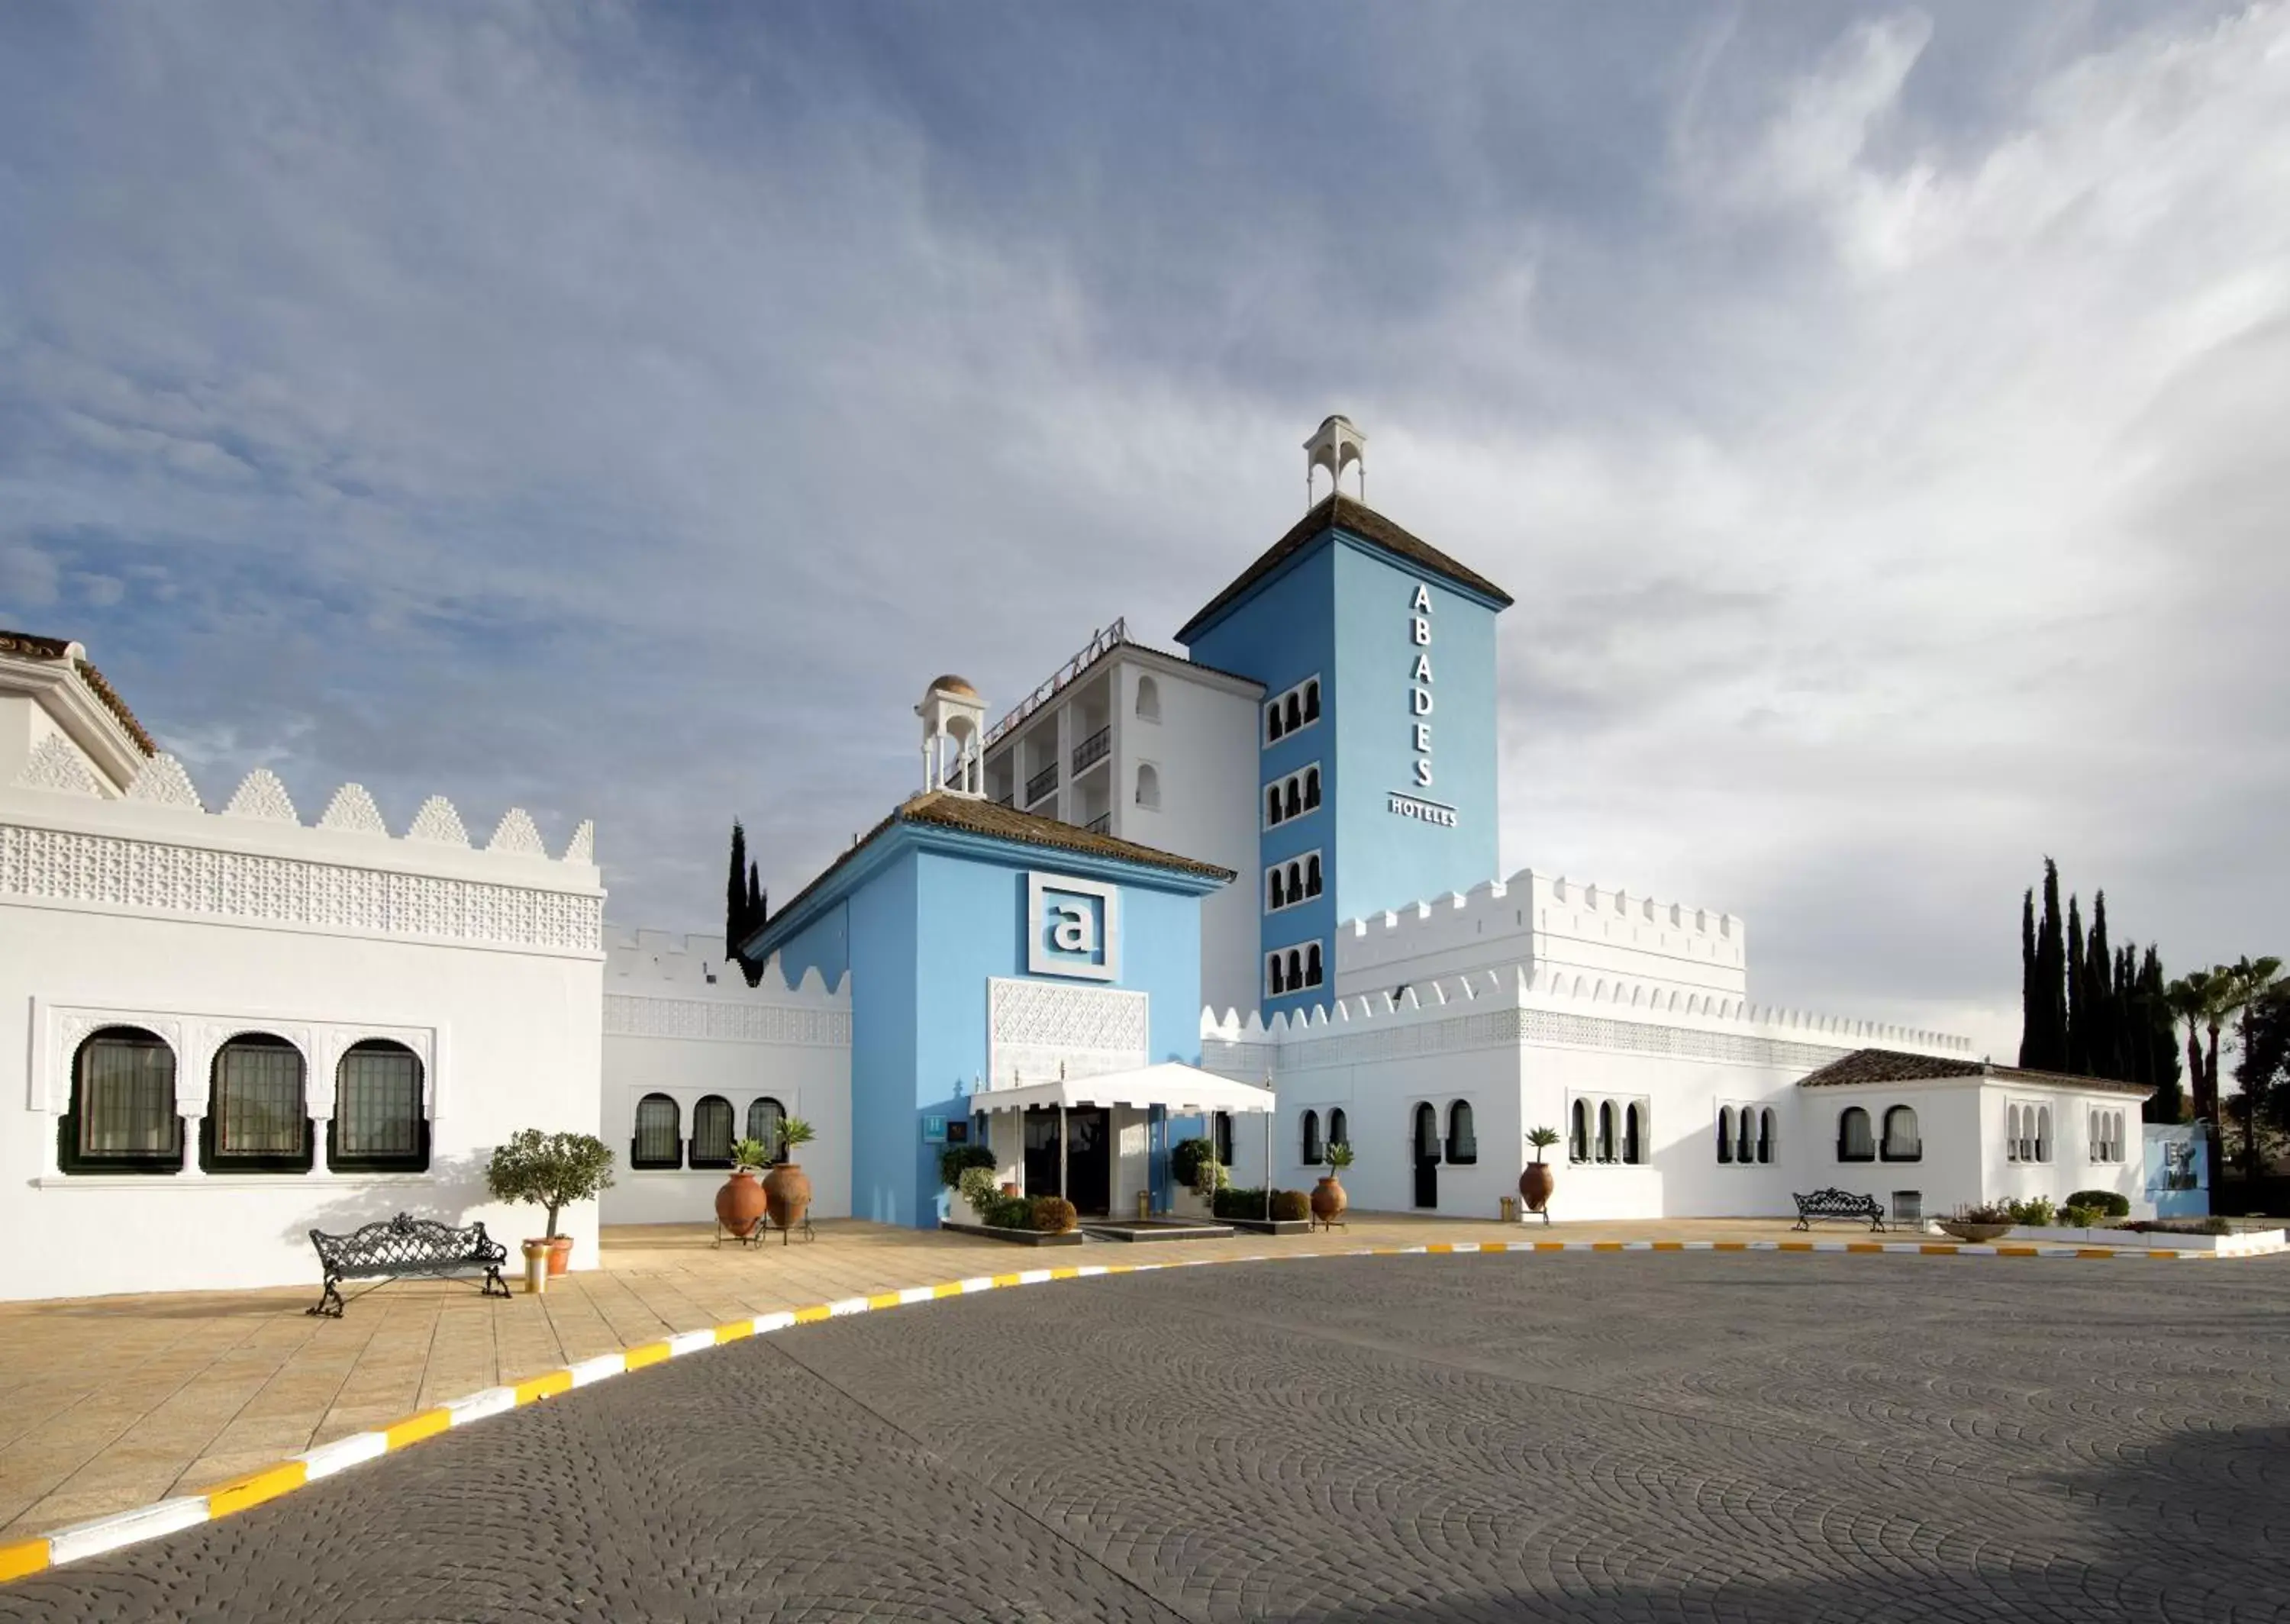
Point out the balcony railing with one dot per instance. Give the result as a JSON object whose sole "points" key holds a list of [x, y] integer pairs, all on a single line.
{"points": [[1091, 750], [1041, 783], [1101, 824]]}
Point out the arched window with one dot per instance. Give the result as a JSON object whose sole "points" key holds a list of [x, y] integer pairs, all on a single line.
{"points": [[1854, 1143], [1340, 1132], [1427, 1133], [1311, 788], [1725, 1134], [1313, 1154], [1578, 1132], [711, 1132], [1272, 803], [1295, 971], [1463, 1142], [1633, 1138], [2013, 1142], [1222, 1126], [766, 1115], [380, 1126], [1766, 1134], [1312, 965], [1312, 700], [1292, 714], [1606, 1130], [1295, 883], [1292, 804], [1272, 728], [1275, 892], [122, 1116], [1312, 876], [1149, 785], [1901, 1141], [1149, 699], [257, 1120], [659, 1139], [1280, 982], [1745, 1147], [2044, 1133]]}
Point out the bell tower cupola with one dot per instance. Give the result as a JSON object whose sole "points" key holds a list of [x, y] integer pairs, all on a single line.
{"points": [[1335, 445], [954, 734]]}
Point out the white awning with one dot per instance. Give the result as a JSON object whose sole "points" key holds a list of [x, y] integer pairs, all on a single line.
{"points": [[1172, 1085]]}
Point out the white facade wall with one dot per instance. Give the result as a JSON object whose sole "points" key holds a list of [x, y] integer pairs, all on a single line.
{"points": [[680, 1021], [199, 926]]}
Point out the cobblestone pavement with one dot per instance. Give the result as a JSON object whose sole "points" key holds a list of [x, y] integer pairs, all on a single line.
{"points": [[1639, 1436]]}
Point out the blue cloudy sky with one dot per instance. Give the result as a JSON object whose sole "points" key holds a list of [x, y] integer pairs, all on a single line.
{"points": [[1879, 415]]}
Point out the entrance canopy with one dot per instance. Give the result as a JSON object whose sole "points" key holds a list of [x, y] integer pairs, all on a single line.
{"points": [[1177, 1087]]}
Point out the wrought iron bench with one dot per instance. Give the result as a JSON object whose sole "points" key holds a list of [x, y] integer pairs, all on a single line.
{"points": [[405, 1245], [1838, 1203]]}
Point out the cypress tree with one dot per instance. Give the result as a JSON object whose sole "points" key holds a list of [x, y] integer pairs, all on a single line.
{"points": [[2029, 1044], [2158, 1032], [2078, 1044], [2136, 1063], [735, 901], [2100, 1057], [2051, 975]]}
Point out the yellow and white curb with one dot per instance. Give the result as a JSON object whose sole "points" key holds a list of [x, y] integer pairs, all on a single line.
{"points": [[110, 1533]]}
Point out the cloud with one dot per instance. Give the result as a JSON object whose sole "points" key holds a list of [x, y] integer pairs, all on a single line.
{"points": [[621, 413]]}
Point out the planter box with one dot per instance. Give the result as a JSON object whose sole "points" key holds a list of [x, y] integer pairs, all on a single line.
{"points": [[2246, 1243], [1015, 1237], [1270, 1226], [1158, 1229]]}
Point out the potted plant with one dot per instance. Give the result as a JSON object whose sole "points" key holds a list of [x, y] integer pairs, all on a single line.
{"points": [[1983, 1222], [552, 1171], [739, 1205], [1536, 1180], [1328, 1198], [787, 1187], [957, 1165]]}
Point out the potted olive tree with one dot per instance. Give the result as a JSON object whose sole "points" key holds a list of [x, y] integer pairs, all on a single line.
{"points": [[1328, 1198], [551, 1171], [739, 1205], [1536, 1180], [787, 1187]]}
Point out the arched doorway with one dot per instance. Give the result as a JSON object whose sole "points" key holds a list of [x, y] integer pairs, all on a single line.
{"points": [[1426, 1147]]}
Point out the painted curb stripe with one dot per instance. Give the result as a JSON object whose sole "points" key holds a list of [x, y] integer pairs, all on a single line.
{"points": [[109, 1534]]}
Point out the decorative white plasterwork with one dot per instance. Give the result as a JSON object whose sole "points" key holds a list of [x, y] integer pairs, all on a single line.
{"points": [[353, 809], [108, 871], [582, 847], [516, 833], [56, 766], [439, 821], [164, 782], [627, 1015], [262, 796], [1037, 1030], [196, 1036]]}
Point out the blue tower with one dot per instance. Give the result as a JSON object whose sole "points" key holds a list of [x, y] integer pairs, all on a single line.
{"points": [[1377, 741]]}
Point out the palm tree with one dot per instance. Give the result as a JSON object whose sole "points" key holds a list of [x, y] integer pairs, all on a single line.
{"points": [[2242, 986], [2198, 999]]}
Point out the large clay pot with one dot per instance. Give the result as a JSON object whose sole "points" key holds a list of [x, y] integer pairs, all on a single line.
{"points": [[560, 1254], [1328, 1200], [739, 1205], [786, 1190], [1536, 1185], [1977, 1234]]}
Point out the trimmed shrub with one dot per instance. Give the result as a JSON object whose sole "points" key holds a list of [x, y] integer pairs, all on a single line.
{"points": [[1291, 1207], [956, 1160], [2113, 1203], [1008, 1212], [1233, 1202], [1053, 1214], [980, 1188], [1185, 1162], [2036, 1212], [2079, 1217]]}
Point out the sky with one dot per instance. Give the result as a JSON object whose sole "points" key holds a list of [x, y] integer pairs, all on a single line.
{"points": [[1879, 416]]}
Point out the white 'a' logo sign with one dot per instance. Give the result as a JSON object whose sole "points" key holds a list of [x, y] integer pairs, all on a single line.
{"points": [[1075, 930]]}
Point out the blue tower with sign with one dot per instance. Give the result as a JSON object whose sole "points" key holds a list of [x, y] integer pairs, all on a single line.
{"points": [[1377, 739]]}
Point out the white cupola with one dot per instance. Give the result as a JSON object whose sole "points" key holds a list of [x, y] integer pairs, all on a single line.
{"points": [[1335, 445], [954, 735]]}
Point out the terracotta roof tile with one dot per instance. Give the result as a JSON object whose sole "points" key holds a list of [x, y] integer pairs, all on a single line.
{"points": [[1354, 518], [31, 646], [1893, 1066]]}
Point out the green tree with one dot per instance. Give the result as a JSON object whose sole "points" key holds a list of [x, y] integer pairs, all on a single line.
{"points": [[2158, 1032], [758, 909], [2030, 1042], [2198, 998], [2045, 1020], [552, 1171], [735, 896], [2244, 986], [2079, 984]]}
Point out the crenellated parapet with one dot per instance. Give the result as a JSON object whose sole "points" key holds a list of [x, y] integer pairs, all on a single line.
{"points": [[659, 984]]}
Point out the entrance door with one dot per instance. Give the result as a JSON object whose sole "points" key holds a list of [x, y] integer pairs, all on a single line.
{"points": [[1088, 1158], [1426, 1146]]}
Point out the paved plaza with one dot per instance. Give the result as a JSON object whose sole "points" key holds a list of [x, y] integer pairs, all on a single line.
{"points": [[1635, 1435]]}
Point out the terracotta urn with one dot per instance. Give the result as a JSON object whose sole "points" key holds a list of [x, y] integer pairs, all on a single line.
{"points": [[560, 1254], [739, 1205], [786, 1191], [1328, 1200], [1536, 1185], [1010, 1188]]}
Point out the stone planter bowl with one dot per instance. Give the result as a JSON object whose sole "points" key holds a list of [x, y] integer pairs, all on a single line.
{"points": [[1975, 1233]]}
